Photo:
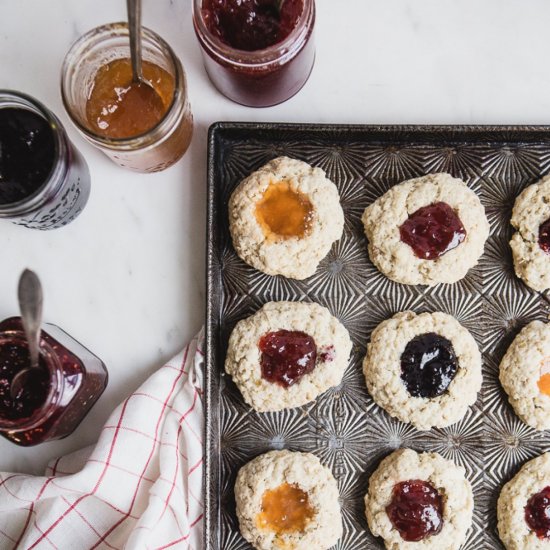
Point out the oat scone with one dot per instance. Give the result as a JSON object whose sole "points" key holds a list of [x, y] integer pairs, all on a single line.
{"points": [[284, 218], [525, 375], [419, 501], [426, 230], [522, 507], [288, 500], [423, 369], [287, 354], [531, 242]]}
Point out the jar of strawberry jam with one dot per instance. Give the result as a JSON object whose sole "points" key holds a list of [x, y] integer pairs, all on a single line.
{"points": [[57, 395], [256, 52]]}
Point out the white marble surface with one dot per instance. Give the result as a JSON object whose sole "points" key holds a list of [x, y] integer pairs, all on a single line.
{"points": [[127, 278]]}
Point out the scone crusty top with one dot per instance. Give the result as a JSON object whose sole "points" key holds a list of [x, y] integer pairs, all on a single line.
{"points": [[396, 259], [382, 369], [520, 372], [243, 355], [531, 209], [513, 530], [294, 257], [303, 470], [445, 476]]}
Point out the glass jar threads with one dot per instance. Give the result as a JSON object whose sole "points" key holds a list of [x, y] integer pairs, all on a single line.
{"points": [[103, 103], [57, 396], [256, 53], [44, 181]]}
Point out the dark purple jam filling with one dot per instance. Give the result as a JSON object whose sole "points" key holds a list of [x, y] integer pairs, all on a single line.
{"points": [[544, 236], [537, 513]]}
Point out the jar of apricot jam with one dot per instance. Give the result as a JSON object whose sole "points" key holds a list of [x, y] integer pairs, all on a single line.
{"points": [[142, 127], [57, 396], [256, 52], [44, 181]]}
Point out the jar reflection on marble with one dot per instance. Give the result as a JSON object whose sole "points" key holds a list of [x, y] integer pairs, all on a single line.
{"points": [[44, 181]]}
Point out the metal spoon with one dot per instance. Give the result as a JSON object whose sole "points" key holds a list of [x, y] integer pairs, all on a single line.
{"points": [[30, 298]]}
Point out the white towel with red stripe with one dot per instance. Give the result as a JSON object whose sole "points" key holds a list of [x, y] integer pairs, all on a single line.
{"points": [[140, 487]]}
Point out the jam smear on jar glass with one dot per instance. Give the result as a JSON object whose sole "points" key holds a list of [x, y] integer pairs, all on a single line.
{"points": [[415, 510], [285, 509], [537, 513], [286, 356], [432, 231], [428, 365], [544, 236]]}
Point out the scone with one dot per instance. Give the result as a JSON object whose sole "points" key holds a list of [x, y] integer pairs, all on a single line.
{"points": [[284, 217], [288, 500], [287, 354], [522, 509], [427, 230], [525, 375], [419, 500], [423, 369], [531, 243]]}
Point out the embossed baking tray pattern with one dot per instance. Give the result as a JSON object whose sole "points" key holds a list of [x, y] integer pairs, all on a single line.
{"points": [[344, 428]]}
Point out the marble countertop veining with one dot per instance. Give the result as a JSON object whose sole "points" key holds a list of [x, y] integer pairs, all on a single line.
{"points": [[127, 277]]}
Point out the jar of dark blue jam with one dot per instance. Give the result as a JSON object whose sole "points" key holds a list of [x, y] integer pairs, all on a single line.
{"points": [[44, 181], [57, 395]]}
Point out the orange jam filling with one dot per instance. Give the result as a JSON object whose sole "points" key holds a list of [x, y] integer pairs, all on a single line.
{"points": [[283, 212], [120, 108], [285, 509], [544, 380]]}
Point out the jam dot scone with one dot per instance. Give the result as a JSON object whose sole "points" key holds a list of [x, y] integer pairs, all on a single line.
{"points": [[426, 230], [287, 354], [522, 509], [419, 500], [531, 243], [424, 369], [288, 500], [284, 217], [525, 375]]}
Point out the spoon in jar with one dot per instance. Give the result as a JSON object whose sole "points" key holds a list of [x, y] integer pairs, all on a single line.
{"points": [[30, 298]]}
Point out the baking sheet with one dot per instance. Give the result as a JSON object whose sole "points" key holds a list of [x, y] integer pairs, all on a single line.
{"points": [[344, 428]]}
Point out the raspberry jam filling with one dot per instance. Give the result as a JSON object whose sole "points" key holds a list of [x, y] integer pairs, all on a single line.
{"points": [[285, 509], [537, 513], [544, 236], [286, 356], [428, 365], [432, 231], [283, 212], [415, 510]]}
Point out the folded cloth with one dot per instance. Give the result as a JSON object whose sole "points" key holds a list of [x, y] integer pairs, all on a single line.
{"points": [[140, 487]]}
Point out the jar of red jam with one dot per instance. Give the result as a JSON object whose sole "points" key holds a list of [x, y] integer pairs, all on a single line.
{"points": [[256, 52], [44, 181], [57, 396], [142, 127]]}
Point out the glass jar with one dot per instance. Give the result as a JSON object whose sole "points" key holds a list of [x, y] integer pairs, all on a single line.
{"points": [[74, 380], [66, 188], [159, 147], [259, 78]]}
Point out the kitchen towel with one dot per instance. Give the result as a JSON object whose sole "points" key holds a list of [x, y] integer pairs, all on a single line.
{"points": [[140, 487]]}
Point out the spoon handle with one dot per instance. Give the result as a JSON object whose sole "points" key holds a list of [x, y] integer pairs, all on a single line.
{"points": [[30, 304], [134, 25]]}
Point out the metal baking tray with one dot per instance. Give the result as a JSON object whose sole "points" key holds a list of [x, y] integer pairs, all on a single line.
{"points": [[344, 428]]}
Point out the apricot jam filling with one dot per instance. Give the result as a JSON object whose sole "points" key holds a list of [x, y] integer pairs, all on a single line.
{"points": [[285, 509], [544, 380], [283, 212]]}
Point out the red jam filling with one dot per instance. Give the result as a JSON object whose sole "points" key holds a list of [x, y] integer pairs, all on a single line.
{"points": [[13, 358], [251, 25], [416, 510], [286, 356], [432, 231], [537, 513], [544, 236]]}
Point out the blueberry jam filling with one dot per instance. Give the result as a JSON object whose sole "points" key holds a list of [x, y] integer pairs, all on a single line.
{"points": [[537, 513], [432, 231], [428, 365], [286, 356], [415, 510]]}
